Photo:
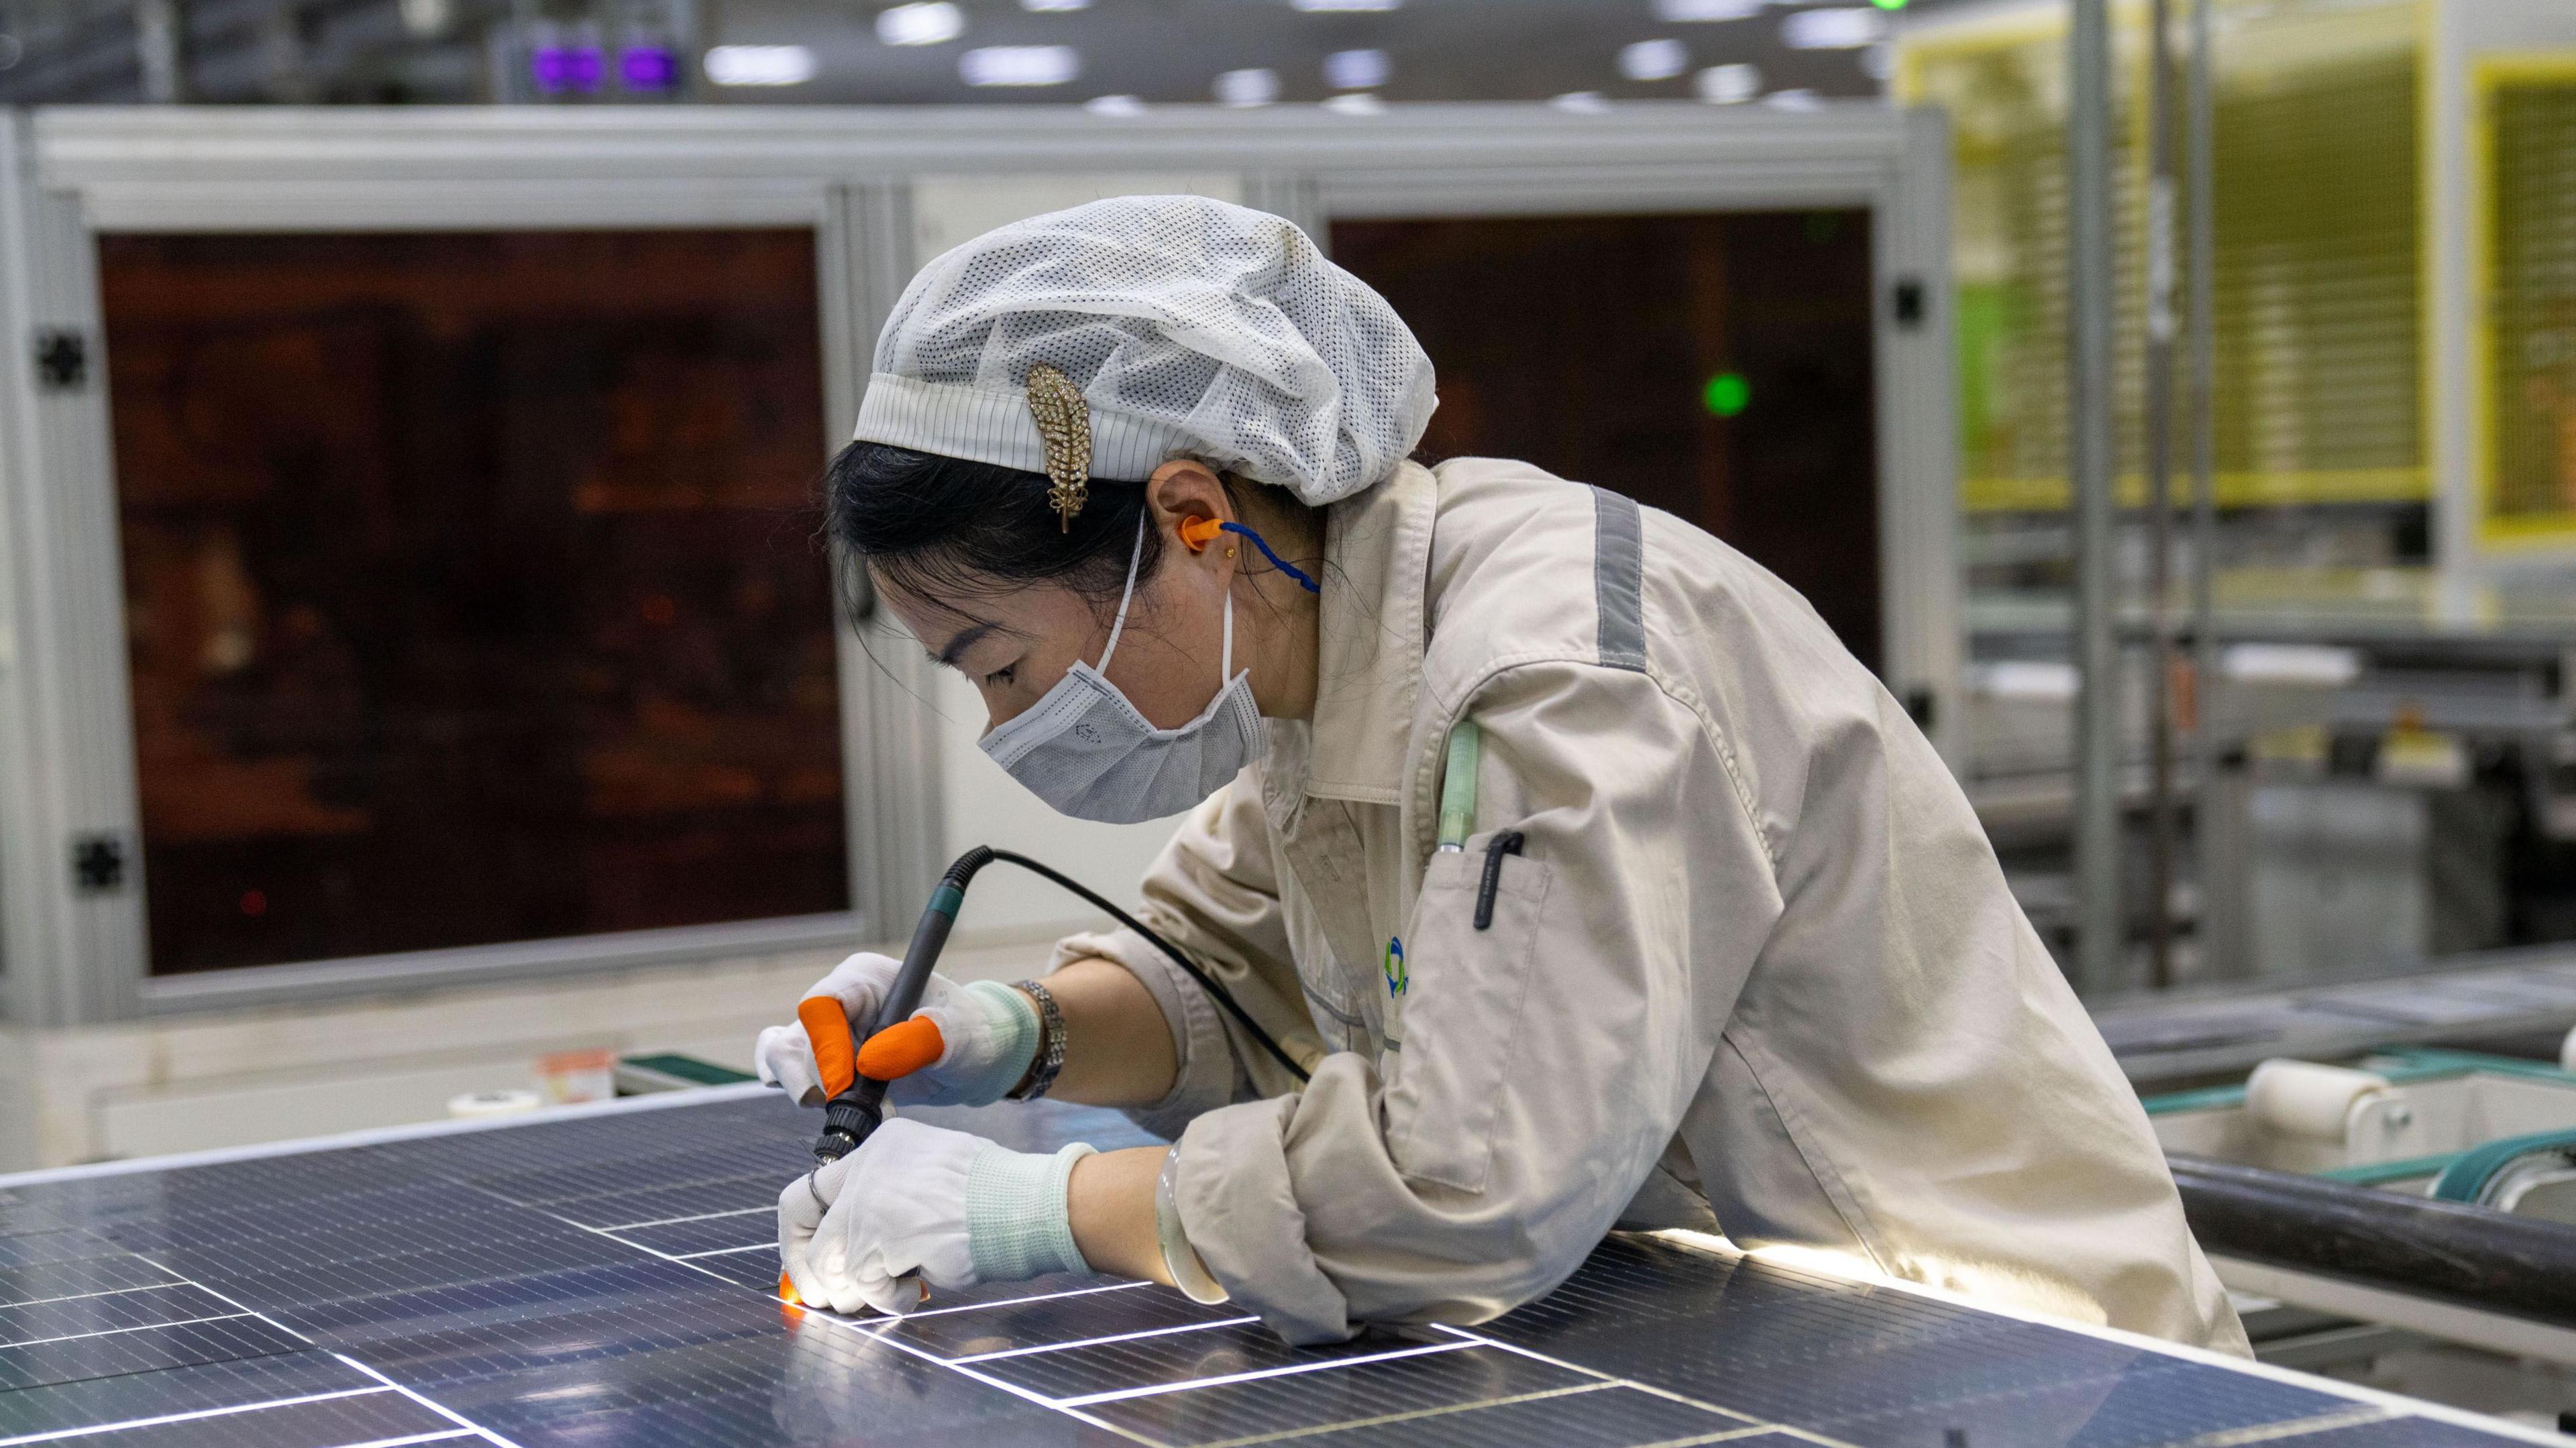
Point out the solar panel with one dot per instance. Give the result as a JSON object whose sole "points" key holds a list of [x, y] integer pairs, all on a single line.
{"points": [[608, 1277]]}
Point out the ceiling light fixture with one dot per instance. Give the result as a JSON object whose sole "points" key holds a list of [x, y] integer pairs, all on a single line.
{"points": [[1256, 86], [1654, 59], [1727, 85], [1316, 7], [1046, 5], [1690, 12], [1117, 105], [1357, 103], [925, 22], [1356, 69], [1019, 65], [760, 65], [1846, 27]]}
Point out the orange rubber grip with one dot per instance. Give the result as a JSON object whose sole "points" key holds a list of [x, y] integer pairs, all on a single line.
{"points": [[829, 1031], [901, 1049], [787, 1291]]}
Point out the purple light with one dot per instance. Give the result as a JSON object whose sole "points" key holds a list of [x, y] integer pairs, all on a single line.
{"points": [[649, 68], [561, 68]]}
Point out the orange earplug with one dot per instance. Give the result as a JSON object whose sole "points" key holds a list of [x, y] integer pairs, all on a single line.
{"points": [[901, 1049], [829, 1031], [1198, 533]]}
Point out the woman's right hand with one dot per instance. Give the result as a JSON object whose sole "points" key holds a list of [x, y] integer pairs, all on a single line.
{"points": [[989, 1030]]}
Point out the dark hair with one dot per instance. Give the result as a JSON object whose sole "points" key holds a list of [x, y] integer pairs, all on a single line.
{"points": [[943, 527]]}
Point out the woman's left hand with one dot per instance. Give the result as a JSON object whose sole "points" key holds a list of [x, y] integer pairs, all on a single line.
{"points": [[871, 1229], [878, 1226]]}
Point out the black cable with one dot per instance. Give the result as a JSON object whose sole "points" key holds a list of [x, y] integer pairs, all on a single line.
{"points": [[1224, 997]]}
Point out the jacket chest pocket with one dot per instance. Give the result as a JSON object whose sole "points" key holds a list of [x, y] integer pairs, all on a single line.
{"points": [[1464, 1007]]}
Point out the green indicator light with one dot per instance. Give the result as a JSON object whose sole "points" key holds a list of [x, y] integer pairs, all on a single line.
{"points": [[1727, 393], [1888, 4]]}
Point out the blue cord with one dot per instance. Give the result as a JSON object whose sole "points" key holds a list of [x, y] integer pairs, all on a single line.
{"points": [[1282, 564]]}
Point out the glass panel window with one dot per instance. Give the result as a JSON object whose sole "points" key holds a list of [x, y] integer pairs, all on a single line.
{"points": [[1717, 366], [473, 586]]}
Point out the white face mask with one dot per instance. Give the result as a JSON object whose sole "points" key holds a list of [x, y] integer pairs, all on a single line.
{"points": [[1087, 751]]}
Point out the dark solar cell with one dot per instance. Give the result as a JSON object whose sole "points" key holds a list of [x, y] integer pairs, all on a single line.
{"points": [[708, 1234], [367, 1417], [202, 1388], [140, 1350], [1467, 1373], [1587, 1415]]}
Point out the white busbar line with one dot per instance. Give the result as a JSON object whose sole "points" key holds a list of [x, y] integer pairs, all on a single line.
{"points": [[191, 1416], [113, 1331], [441, 1409], [1289, 1435], [675, 1221], [1119, 1395], [109, 1292], [1012, 1352], [441, 1436], [726, 1251]]}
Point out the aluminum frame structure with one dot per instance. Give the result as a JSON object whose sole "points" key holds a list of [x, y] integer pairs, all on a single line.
{"points": [[74, 954]]}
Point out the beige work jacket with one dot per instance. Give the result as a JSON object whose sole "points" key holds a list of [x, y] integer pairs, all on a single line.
{"points": [[1755, 968]]}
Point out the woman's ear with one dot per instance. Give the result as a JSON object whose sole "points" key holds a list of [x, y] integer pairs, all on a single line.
{"points": [[1189, 501]]}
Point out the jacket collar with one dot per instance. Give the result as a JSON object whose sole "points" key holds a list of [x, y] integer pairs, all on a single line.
{"points": [[1371, 637]]}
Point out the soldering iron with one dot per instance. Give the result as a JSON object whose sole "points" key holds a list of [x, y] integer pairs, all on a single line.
{"points": [[857, 1104]]}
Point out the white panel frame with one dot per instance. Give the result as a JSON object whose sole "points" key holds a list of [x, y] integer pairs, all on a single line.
{"points": [[66, 756]]}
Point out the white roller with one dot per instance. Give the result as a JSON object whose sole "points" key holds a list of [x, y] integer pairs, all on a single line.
{"points": [[2567, 1052], [470, 1104], [2302, 1098]]}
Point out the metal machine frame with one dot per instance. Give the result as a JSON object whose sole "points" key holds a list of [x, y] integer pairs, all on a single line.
{"points": [[75, 953]]}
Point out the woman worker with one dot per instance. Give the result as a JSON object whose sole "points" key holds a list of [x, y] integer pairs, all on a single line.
{"points": [[1722, 945]]}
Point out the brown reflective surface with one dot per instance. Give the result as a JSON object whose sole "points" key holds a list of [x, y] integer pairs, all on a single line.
{"points": [[472, 586], [1588, 345]]}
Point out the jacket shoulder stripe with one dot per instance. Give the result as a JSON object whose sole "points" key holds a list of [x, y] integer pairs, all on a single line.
{"points": [[1619, 579]]}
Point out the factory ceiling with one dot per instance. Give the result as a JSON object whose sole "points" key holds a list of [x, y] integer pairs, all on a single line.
{"points": [[1114, 55]]}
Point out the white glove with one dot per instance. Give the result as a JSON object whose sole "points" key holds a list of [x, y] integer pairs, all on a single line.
{"points": [[921, 1204], [990, 1029]]}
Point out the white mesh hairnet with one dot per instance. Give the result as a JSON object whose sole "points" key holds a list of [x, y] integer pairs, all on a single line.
{"points": [[1194, 329]]}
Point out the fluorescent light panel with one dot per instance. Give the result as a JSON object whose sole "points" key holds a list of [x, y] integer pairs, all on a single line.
{"points": [[1654, 59], [1356, 69], [760, 65], [1019, 65], [925, 22], [1727, 85], [1254, 86], [1844, 28], [1700, 11]]}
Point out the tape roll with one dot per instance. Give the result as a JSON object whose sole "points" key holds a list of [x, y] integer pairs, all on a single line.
{"points": [[493, 1103], [2302, 1098]]}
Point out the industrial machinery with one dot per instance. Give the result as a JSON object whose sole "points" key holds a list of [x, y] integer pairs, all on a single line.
{"points": [[2408, 1218], [2376, 709]]}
